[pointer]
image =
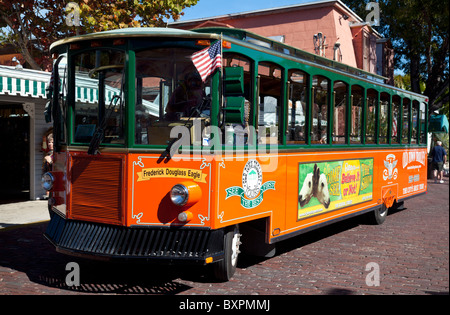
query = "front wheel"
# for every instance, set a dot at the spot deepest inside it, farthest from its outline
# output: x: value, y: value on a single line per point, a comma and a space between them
x: 225, y: 269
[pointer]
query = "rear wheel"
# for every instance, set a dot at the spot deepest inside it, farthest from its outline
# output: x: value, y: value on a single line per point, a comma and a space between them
x: 379, y: 215
x: 225, y: 269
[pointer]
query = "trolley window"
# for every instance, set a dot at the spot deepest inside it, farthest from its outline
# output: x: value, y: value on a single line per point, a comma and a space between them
x: 415, y: 122
x: 297, y: 107
x: 406, y: 120
x: 99, y: 96
x: 396, y: 119
x: 270, y: 100
x: 340, y: 97
x: 240, y: 134
x: 357, y: 105
x: 371, y: 121
x: 320, y: 109
x: 384, y: 117
x: 169, y: 93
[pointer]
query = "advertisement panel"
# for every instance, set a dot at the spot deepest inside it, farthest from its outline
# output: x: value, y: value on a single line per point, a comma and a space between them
x: 331, y: 185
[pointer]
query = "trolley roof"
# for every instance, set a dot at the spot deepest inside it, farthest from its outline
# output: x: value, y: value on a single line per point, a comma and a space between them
x: 135, y: 32
x: 242, y: 37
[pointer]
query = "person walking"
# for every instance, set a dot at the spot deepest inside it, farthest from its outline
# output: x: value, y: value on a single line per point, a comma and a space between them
x: 439, y: 158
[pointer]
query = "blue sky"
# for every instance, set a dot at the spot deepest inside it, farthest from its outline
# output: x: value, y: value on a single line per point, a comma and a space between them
x: 209, y: 8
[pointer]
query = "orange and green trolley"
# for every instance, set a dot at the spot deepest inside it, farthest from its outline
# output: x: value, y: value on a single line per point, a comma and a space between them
x: 154, y: 163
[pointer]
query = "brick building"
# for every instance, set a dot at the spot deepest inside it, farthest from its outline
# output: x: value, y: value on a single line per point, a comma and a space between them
x: 327, y: 28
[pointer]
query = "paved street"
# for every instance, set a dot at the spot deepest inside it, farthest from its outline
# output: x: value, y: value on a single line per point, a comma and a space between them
x: 408, y: 254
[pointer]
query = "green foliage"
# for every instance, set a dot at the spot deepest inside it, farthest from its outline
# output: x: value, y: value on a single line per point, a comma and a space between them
x: 420, y: 38
x: 107, y: 15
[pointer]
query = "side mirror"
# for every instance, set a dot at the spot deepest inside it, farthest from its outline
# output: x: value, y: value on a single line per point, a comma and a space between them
x: 233, y: 91
x: 48, y: 112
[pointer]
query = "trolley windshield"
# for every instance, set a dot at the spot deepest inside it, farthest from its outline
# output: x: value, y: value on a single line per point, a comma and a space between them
x: 169, y: 93
x: 99, y: 111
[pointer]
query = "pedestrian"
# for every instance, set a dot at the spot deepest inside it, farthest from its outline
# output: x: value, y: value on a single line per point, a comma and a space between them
x: 439, y: 158
x: 47, y: 162
x: 48, y: 158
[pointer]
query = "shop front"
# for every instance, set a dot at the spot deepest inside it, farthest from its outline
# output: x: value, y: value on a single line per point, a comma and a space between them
x: 22, y: 128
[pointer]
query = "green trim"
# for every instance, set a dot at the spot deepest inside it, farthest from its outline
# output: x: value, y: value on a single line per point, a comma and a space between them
x: 27, y: 86
x: 364, y: 117
x: 9, y: 84
x: 130, y: 98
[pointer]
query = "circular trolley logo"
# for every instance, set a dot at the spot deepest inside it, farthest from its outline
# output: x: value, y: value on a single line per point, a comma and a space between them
x: 252, y: 179
x: 252, y: 190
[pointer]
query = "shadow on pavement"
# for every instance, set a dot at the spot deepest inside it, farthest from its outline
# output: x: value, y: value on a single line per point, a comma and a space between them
x: 26, y: 250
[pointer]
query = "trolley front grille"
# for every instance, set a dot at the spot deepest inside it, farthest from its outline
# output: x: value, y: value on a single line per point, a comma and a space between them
x: 124, y: 242
x: 96, y: 189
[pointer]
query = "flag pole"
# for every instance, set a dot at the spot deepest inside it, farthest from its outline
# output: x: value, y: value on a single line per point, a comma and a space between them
x: 221, y: 51
x: 221, y: 89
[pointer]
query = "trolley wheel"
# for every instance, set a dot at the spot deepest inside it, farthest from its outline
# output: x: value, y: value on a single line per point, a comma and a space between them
x: 379, y: 215
x: 225, y: 269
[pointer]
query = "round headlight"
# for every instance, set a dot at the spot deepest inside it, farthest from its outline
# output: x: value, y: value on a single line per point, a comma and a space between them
x: 47, y: 181
x: 179, y: 195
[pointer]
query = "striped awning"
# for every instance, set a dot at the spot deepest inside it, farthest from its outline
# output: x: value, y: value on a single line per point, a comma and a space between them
x: 85, y: 93
x: 23, y: 82
x: 32, y: 83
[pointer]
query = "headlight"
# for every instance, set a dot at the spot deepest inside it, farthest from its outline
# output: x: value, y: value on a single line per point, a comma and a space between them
x: 179, y: 195
x: 47, y: 181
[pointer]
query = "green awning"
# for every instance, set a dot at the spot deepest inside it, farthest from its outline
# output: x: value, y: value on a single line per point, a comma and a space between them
x: 25, y: 83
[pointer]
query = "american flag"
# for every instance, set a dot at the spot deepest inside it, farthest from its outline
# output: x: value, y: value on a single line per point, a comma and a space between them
x: 394, y: 127
x: 207, y: 60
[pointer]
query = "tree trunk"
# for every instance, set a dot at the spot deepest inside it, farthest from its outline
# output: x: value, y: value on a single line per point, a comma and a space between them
x: 29, y: 58
x: 415, y: 72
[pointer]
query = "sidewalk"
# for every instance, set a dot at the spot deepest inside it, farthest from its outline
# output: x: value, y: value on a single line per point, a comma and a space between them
x: 26, y: 212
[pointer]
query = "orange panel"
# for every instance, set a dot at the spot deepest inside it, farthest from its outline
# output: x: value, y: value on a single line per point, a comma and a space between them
x: 250, y: 188
x: 151, y: 180
x: 134, y: 189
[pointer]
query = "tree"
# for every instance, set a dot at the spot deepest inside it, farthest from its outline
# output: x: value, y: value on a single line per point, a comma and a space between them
x: 32, y: 25
x: 419, y: 33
